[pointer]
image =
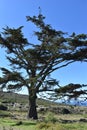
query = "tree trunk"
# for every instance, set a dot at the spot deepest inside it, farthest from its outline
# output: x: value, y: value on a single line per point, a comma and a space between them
x: 32, y: 112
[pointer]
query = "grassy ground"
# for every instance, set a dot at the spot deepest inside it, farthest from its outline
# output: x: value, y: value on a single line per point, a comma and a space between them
x: 7, y: 124
x: 59, y: 126
x: 16, y: 120
x: 50, y: 122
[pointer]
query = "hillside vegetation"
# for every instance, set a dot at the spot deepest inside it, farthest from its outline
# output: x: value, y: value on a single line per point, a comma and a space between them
x: 52, y: 116
x: 11, y: 97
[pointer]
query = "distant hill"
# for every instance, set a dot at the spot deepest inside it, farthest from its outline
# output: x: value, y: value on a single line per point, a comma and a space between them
x: 10, y: 97
x: 15, y: 100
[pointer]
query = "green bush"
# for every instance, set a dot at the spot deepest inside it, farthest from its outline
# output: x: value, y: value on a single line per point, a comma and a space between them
x: 43, y: 125
x: 49, y: 126
x: 50, y: 118
x: 3, y: 107
x: 19, y: 123
x: 65, y: 111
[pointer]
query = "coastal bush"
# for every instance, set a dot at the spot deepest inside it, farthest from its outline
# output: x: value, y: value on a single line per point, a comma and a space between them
x: 3, y: 107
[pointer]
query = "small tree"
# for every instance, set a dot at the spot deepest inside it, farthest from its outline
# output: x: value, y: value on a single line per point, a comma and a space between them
x: 32, y: 64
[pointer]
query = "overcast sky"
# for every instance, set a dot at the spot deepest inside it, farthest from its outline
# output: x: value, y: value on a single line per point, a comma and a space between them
x: 66, y: 15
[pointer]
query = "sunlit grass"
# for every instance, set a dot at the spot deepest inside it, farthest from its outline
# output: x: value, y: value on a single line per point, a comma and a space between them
x: 50, y: 122
x: 9, y: 124
x: 60, y: 126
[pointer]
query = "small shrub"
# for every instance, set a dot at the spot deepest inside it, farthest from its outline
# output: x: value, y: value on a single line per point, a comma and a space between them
x: 50, y: 118
x: 2, y: 107
x: 50, y: 126
x: 65, y: 111
x: 19, y: 123
x: 43, y: 125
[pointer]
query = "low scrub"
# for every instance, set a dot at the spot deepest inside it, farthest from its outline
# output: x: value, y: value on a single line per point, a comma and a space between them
x: 5, y: 113
x: 49, y: 126
x: 50, y: 117
x: 65, y: 111
x: 3, y: 107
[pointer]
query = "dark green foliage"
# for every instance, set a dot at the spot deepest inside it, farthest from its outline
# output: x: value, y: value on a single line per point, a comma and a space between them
x: 19, y: 123
x: 65, y: 111
x: 3, y: 107
x: 72, y: 90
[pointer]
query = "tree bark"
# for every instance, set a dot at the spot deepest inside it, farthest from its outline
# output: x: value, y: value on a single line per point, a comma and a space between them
x: 32, y: 112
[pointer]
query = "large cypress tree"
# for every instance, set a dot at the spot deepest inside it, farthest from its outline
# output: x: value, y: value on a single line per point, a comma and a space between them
x: 31, y: 64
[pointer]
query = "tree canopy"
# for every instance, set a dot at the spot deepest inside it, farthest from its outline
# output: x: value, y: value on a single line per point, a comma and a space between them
x: 31, y: 64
